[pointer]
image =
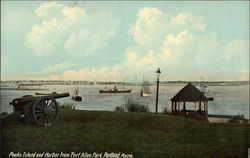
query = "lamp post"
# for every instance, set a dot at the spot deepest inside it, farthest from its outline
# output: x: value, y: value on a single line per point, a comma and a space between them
x: 157, y: 89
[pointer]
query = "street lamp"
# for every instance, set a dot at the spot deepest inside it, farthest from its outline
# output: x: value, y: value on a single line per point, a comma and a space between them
x: 157, y: 89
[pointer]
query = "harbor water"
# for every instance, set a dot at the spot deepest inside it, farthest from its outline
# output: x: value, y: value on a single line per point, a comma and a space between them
x: 228, y: 100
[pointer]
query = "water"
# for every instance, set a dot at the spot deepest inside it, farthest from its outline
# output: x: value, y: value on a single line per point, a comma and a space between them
x: 228, y: 100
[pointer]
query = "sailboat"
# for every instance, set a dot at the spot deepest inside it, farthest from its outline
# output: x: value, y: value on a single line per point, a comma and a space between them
x: 204, y: 89
x: 76, y: 96
x: 145, y: 90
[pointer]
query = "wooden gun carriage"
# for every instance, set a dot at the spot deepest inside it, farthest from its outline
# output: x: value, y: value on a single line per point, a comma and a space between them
x: 40, y: 109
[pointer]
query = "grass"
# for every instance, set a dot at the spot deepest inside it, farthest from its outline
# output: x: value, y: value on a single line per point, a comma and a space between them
x: 142, y: 134
x: 132, y: 106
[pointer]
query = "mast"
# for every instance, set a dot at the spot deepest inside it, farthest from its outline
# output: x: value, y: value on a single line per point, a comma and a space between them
x: 145, y: 86
x: 202, y: 86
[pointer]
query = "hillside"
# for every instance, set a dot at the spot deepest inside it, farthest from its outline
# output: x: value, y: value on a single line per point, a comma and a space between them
x: 140, y: 134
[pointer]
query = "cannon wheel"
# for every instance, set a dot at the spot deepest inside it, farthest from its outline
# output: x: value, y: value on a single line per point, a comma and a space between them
x: 45, y: 110
x: 26, y: 117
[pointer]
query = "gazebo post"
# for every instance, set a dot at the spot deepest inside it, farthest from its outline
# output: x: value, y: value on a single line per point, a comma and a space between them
x: 184, y: 105
x: 172, y: 106
x: 205, y: 108
x: 206, y: 111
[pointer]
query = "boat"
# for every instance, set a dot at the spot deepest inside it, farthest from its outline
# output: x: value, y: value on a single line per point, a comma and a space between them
x: 115, y: 90
x: 205, y: 91
x: 145, y: 90
x: 76, y: 95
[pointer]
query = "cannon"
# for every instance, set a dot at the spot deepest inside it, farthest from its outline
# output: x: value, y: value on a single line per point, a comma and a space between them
x: 41, y: 109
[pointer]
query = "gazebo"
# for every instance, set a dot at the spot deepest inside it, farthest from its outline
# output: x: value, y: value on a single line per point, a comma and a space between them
x: 190, y: 94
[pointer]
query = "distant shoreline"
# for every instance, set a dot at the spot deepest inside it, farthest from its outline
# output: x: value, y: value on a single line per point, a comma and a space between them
x: 22, y: 89
x: 50, y: 82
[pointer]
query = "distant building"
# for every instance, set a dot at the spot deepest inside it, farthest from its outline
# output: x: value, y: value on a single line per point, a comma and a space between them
x: 30, y: 86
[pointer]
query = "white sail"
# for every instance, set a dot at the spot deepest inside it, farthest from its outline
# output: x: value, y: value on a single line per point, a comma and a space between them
x: 204, y: 89
x: 145, y: 91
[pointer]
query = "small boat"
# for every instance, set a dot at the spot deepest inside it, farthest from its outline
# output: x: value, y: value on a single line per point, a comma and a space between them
x: 205, y: 91
x: 115, y: 90
x: 145, y: 90
x: 207, y: 94
x: 210, y: 98
x: 76, y: 95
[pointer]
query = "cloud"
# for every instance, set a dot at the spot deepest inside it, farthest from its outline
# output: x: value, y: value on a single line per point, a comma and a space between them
x: 94, y: 35
x: 103, y: 74
x: 175, y: 46
x: 236, y: 48
x: 244, y: 78
x: 170, y: 39
x: 48, y: 9
x: 56, y: 68
x: 70, y: 29
x: 147, y: 25
x: 152, y: 25
x: 244, y: 75
x: 135, y: 62
x: 188, y: 20
x: 45, y: 38
x: 74, y: 13
x: 180, y: 45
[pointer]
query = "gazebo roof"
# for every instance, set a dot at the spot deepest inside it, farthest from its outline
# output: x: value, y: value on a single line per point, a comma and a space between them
x: 189, y: 94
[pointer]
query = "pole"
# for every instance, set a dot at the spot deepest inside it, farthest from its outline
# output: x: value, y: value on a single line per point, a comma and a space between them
x: 157, y: 93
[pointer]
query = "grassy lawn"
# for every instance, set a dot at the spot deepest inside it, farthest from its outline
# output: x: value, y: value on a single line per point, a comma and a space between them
x: 140, y: 134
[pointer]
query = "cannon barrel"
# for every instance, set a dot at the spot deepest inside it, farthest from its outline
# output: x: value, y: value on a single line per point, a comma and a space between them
x: 33, y: 98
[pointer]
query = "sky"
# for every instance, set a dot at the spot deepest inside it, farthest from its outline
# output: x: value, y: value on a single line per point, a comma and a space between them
x: 124, y: 41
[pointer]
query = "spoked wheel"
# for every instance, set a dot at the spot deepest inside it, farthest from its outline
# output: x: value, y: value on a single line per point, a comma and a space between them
x: 45, y: 110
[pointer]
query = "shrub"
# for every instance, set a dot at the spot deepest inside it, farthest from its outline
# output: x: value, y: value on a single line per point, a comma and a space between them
x: 137, y: 107
x: 68, y: 106
x: 166, y: 111
x: 133, y: 106
x: 119, y: 108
